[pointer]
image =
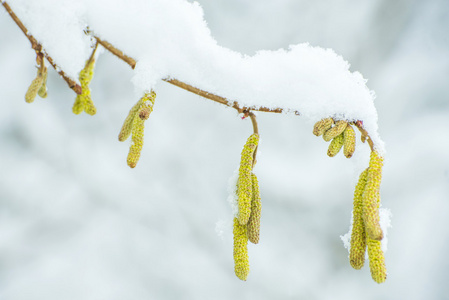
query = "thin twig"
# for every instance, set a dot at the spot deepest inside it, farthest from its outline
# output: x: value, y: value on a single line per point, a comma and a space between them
x: 38, y: 48
x: 132, y: 63
x: 253, y: 120
x: 129, y: 60
x: 359, y: 125
x: 256, y: 131
x: 92, y: 55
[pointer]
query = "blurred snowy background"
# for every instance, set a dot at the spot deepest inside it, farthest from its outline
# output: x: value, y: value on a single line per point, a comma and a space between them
x: 77, y: 223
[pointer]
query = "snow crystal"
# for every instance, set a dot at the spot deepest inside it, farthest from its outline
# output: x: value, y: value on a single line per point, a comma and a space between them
x: 170, y: 39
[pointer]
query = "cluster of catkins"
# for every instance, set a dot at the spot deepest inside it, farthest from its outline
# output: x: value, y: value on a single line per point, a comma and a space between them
x: 341, y: 133
x: 247, y: 220
x: 366, y: 230
x: 134, y: 122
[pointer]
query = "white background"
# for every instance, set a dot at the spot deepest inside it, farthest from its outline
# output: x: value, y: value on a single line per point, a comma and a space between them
x: 77, y: 223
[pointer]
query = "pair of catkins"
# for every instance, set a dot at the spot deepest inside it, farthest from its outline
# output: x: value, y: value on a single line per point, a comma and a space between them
x: 39, y: 84
x: 247, y: 220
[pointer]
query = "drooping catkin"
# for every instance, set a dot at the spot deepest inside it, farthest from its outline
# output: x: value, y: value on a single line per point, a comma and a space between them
x: 241, y: 260
x: 376, y: 261
x: 83, y: 102
x: 256, y: 208
x: 34, y: 87
x: 338, y: 128
x: 42, y: 92
x: 135, y: 125
x: 137, y: 142
x: 349, y: 141
x: 125, y: 132
x: 335, y: 145
x: 322, y: 126
x: 358, y: 235
x: 371, y: 197
x: 244, y: 183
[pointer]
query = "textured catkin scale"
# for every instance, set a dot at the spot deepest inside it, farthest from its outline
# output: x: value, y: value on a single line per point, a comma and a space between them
x: 244, y: 183
x: 349, y: 141
x: 322, y: 126
x: 42, y: 92
x: 358, y: 235
x: 335, y: 145
x: 331, y: 133
x: 137, y: 142
x: 376, y: 261
x: 256, y: 208
x: 125, y: 132
x: 78, y: 106
x: 371, y: 198
x: 83, y: 102
x: 34, y: 88
x: 241, y: 260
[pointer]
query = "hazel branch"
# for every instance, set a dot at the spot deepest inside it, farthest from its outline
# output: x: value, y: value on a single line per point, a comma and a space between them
x: 38, y: 48
x: 132, y: 63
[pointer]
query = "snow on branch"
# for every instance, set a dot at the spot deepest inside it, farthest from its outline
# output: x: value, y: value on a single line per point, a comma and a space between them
x: 168, y: 40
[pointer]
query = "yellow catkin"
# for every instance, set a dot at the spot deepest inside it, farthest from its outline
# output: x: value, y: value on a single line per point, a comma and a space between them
x: 241, y: 260
x: 83, y: 102
x: 376, y: 261
x: 371, y: 197
x: 134, y: 124
x: 34, y: 88
x: 147, y: 105
x: 244, y: 183
x: 358, y: 235
x: 331, y: 133
x: 256, y: 208
x: 137, y: 142
x: 349, y: 141
x: 335, y: 145
x: 42, y: 92
x: 125, y: 132
x: 322, y: 126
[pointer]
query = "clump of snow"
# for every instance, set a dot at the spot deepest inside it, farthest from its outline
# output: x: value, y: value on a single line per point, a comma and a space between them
x: 59, y: 27
x: 385, y: 223
x: 170, y: 39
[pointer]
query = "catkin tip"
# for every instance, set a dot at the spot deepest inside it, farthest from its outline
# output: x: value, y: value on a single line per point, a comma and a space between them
x: 241, y: 259
x: 335, y: 146
x: 321, y: 126
x: 376, y: 261
x: 253, y: 226
x: 33, y: 89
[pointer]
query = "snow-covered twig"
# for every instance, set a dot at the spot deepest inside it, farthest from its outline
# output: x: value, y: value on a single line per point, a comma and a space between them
x: 38, y: 48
